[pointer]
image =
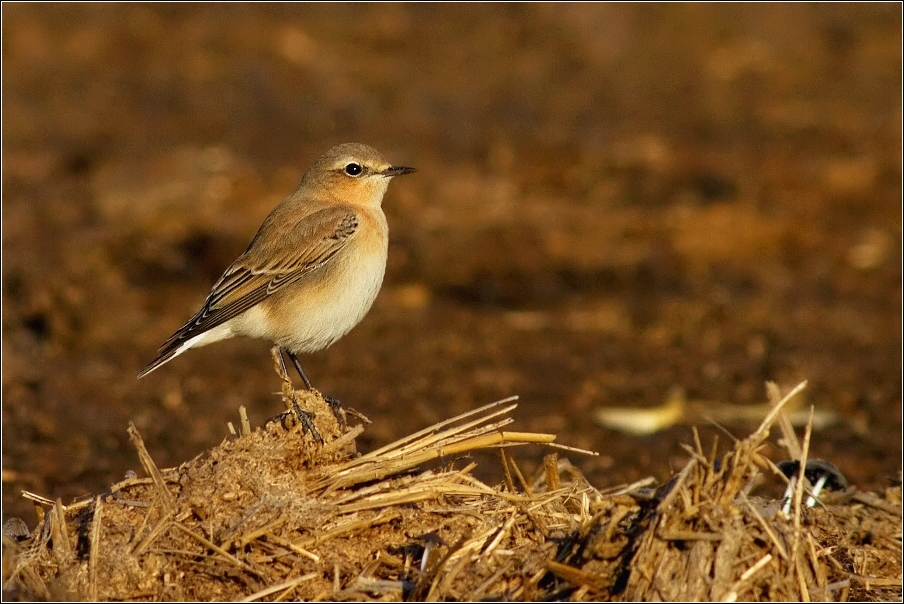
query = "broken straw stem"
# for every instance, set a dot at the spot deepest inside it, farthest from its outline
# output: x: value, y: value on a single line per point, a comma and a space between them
x: 817, y: 488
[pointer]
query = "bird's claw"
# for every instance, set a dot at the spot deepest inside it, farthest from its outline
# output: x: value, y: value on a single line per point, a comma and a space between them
x: 336, y: 407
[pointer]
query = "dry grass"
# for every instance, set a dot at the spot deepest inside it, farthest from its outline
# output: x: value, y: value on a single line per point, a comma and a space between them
x: 268, y: 515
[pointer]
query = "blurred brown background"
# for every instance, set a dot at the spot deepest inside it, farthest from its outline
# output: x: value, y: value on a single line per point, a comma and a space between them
x: 611, y: 201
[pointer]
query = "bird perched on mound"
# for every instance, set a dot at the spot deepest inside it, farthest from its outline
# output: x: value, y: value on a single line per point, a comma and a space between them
x: 313, y: 269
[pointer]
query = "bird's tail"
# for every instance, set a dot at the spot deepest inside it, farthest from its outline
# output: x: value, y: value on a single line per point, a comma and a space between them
x: 167, y: 352
x: 160, y: 360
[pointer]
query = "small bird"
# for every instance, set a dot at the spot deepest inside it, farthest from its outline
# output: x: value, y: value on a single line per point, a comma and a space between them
x: 313, y: 269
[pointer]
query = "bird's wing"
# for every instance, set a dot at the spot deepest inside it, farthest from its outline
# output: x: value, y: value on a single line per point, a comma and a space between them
x: 261, y: 272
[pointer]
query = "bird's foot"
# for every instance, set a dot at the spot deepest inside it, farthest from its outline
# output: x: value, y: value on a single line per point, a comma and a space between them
x: 338, y: 412
x: 307, y: 423
x: 305, y: 418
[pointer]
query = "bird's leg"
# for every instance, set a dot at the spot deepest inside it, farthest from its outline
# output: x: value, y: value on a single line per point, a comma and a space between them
x: 281, y: 370
x: 305, y: 418
x: 334, y: 403
x: 304, y: 376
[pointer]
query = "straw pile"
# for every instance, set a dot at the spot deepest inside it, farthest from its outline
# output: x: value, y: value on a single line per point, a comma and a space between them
x: 269, y: 515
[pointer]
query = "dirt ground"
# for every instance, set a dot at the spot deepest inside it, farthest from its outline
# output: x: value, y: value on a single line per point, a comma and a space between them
x: 610, y: 201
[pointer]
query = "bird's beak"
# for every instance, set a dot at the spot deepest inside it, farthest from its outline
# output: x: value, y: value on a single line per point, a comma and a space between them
x: 396, y: 171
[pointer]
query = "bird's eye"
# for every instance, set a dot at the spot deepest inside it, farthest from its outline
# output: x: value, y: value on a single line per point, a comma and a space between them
x: 353, y: 169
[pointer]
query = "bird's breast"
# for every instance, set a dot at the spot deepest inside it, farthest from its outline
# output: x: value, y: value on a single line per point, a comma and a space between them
x: 314, y: 312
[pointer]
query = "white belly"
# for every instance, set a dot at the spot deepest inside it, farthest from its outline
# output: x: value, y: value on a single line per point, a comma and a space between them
x: 311, y: 315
